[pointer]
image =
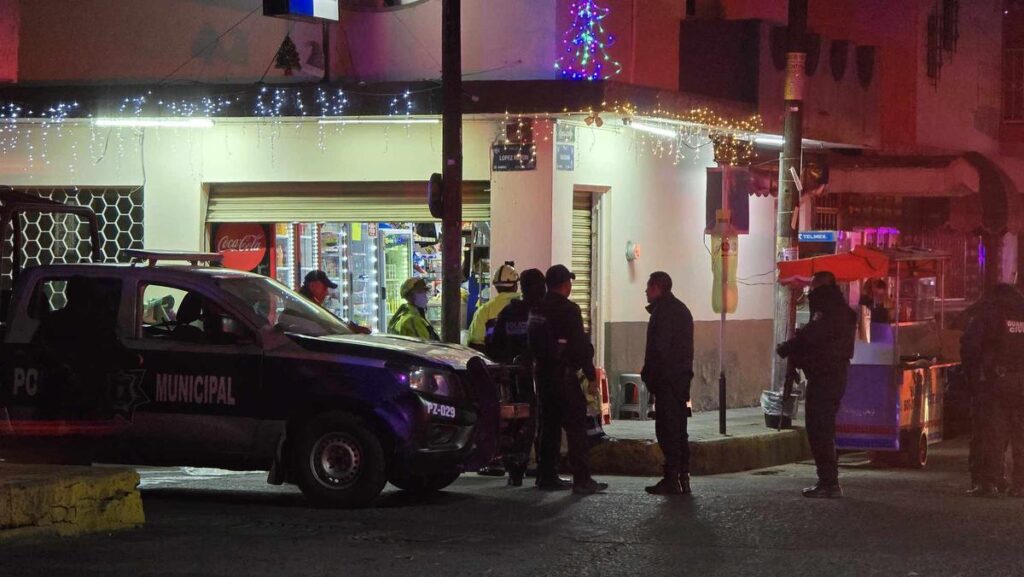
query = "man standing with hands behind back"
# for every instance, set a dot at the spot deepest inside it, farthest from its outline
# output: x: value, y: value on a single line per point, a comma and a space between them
x: 667, y: 372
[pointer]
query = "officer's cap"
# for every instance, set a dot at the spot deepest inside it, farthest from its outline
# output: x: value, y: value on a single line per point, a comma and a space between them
x: 557, y: 275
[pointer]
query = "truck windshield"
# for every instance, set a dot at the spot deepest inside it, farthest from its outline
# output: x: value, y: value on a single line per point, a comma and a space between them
x: 276, y: 306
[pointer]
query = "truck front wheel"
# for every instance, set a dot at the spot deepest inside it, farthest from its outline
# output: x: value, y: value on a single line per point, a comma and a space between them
x: 339, y: 461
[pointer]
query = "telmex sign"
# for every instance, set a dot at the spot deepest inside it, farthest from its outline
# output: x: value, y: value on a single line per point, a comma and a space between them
x: 302, y: 9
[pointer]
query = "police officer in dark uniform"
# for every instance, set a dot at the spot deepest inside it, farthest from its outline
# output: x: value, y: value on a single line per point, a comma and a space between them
x: 823, y: 349
x: 992, y: 350
x: 560, y: 348
x: 509, y: 339
x: 508, y: 342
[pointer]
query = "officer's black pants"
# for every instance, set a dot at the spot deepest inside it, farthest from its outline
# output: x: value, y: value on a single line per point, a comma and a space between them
x: 1003, y: 424
x: 822, y: 407
x: 979, y: 439
x: 670, y: 426
x: 562, y: 406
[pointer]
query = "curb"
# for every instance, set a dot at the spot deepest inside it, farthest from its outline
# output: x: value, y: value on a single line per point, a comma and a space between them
x: 643, y: 458
x: 46, y: 500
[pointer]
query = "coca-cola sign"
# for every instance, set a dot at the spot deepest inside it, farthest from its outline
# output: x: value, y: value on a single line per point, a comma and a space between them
x: 243, y: 245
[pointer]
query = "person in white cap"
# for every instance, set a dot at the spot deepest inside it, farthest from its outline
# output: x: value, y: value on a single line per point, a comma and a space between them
x: 506, y: 283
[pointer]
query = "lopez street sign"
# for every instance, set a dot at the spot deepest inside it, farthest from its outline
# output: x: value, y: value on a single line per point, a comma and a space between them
x: 506, y: 157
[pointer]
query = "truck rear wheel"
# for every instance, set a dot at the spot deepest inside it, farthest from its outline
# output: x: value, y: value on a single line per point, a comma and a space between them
x: 424, y: 484
x: 339, y: 461
x: 916, y: 449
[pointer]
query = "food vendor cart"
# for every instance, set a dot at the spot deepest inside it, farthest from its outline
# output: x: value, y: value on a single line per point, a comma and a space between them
x: 894, y: 395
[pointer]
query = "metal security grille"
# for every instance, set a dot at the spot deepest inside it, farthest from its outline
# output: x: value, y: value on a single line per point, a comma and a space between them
x: 337, y: 202
x: 65, y: 238
x: 582, y: 253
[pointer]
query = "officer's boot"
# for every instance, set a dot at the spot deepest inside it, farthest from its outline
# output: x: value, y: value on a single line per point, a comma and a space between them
x: 824, y: 491
x: 668, y: 485
x: 983, y: 490
x: 684, y: 483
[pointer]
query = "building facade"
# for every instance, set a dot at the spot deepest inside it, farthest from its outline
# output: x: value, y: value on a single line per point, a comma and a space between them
x: 323, y: 157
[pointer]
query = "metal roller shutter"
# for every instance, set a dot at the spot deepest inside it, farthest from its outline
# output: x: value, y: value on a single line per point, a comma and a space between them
x: 404, y: 201
x: 582, y: 252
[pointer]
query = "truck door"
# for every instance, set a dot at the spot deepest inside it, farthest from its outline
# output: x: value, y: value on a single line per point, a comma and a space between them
x: 61, y: 353
x: 202, y: 377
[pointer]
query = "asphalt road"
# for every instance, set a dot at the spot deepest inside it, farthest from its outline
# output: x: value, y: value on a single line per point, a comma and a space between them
x: 893, y: 522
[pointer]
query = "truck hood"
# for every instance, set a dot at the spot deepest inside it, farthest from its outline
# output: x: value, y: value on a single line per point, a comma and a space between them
x: 453, y: 356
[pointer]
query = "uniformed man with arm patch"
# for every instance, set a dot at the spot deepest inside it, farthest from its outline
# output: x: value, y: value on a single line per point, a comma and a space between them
x: 561, y: 348
x: 509, y: 343
x: 992, y: 350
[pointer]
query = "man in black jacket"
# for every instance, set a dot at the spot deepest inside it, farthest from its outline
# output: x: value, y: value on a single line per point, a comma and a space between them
x: 509, y: 339
x: 992, y: 349
x: 667, y: 372
x: 509, y: 343
x: 560, y: 349
x: 823, y: 349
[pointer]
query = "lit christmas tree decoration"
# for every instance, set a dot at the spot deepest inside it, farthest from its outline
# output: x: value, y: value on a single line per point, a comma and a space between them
x: 585, y: 45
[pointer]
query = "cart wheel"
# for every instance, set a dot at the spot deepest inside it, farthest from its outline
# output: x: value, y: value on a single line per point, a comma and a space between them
x: 916, y: 449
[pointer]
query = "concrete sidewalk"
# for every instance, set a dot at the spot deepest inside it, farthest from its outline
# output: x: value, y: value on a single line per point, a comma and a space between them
x: 64, y: 500
x: 748, y: 444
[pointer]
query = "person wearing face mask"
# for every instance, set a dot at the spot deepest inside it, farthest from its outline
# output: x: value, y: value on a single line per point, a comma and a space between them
x: 410, y: 319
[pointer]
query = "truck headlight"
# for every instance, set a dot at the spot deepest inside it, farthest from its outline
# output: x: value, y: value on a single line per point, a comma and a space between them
x: 433, y: 382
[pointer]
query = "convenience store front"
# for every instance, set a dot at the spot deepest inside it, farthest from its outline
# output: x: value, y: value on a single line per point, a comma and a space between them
x: 369, y: 237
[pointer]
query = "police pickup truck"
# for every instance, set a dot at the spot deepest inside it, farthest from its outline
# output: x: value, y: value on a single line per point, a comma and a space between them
x: 154, y: 363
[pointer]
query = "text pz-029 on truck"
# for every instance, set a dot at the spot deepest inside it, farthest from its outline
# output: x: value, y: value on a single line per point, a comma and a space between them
x: 204, y: 366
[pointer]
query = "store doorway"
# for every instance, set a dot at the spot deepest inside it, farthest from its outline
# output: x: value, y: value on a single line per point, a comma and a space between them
x: 587, y: 261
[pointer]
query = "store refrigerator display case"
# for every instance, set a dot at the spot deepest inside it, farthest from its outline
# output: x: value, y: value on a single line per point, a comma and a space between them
x: 364, y: 292
x: 396, y: 268
x: 334, y: 263
x: 284, y: 254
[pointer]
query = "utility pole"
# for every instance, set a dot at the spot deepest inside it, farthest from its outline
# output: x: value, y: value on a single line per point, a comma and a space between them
x: 451, y: 152
x: 785, y: 232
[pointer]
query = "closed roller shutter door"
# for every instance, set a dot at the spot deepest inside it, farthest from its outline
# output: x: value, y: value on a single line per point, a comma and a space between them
x: 337, y: 202
x: 582, y: 251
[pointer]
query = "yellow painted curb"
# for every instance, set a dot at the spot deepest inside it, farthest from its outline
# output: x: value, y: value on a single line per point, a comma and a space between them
x: 643, y: 458
x: 65, y: 501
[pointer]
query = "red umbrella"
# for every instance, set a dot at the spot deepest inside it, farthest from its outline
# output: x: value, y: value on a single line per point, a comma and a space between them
x: 861, y: 263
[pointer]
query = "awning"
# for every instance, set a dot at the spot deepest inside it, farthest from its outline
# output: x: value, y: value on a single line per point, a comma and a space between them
x: 861, y: 263
x: 985, y: 190
x: 935, y: 176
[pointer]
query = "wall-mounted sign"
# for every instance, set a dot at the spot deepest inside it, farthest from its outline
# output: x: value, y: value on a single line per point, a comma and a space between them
x: 817, y: 236
x: 302, y: 9
x: 506, y: 157
x: 243, y: 244
x: 565, y: 155
x: 565, y: 133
